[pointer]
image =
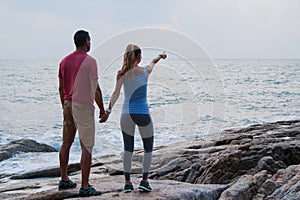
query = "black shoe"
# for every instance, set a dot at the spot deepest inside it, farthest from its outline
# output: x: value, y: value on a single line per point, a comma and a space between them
x: 144, y: 186
x: 64, y: 185
x: 89, y: 192
x: 128, y: 187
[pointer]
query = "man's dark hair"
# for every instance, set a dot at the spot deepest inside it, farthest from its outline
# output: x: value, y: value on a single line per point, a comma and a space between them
x: 80, y: 38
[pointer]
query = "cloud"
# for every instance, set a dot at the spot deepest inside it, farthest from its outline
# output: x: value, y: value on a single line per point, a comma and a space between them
x: 249, y: 28
x: 230, y: 28
x: 38, y: 29
x: 32, y: 33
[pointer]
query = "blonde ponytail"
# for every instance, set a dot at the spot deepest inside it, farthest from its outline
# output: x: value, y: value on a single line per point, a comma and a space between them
x: 130, y: 56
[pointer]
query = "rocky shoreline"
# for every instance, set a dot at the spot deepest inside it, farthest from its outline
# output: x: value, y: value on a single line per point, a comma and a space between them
x: 257, y: 162
x: 9, y: 150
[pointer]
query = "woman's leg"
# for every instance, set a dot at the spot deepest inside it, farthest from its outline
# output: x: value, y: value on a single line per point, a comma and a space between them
x: 128, y: 128
x: 147, y: 159
x: 145, y: 126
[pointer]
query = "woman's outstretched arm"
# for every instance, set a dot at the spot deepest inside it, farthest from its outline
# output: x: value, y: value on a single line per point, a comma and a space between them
x: 151, y: 65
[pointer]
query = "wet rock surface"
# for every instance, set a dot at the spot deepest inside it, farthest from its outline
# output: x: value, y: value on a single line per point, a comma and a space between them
x: 24, y: 145
x: 256, y: 162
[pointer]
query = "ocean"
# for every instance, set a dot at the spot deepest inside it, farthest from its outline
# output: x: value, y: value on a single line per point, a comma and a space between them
x: 187, y: 100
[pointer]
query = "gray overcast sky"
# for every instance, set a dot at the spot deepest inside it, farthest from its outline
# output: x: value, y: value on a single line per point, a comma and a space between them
x: 36, y: 29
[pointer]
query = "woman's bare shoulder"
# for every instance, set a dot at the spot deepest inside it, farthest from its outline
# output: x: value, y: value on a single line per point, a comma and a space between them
x: 120, y: 73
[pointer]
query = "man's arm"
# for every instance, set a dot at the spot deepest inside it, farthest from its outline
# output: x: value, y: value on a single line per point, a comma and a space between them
x: 61, y: 91
x: 98, y: 96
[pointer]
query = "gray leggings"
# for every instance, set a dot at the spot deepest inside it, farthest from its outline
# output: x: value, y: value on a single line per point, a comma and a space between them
x: 145, y: 125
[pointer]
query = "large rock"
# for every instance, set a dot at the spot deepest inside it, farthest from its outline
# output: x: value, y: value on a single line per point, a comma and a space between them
x: 48, y: 172
x: 112, y: 188
x: 245, y: 187
x: 285, y: 184
x: 24, y: 145
x: 224, y: 157
x: 257, y: 162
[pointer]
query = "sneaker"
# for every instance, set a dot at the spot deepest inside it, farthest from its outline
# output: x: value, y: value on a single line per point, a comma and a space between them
x: 128, y: 188
x: 89, y: 192
x: 144, y: 186
x: 64, y: 185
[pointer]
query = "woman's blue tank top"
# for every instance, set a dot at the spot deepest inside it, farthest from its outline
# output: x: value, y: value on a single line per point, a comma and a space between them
x: 135, y: 92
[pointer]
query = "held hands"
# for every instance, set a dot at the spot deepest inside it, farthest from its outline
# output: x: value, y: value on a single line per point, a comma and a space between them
x: 103, y: 117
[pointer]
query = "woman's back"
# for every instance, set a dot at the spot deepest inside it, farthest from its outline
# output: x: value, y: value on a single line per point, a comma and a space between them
x: 135, y: 92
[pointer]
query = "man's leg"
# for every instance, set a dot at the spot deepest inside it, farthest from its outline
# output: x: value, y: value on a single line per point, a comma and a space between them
x: 69, y: 131
x: 85, y: 123
x: 85, y: 164
x: 86, y: 128
x: 64, y: 159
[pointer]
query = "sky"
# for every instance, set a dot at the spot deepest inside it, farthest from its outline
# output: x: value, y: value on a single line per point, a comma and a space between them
x: 243, y: 29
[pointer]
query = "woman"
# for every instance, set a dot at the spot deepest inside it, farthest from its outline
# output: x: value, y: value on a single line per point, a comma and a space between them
x: 135, y: 111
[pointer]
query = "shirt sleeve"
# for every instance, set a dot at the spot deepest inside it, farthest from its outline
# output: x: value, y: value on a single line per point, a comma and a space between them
x: 93, y: 75
x: 60, y: 72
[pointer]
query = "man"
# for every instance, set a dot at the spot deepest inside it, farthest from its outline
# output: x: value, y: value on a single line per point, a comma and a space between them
x: 78, y: 89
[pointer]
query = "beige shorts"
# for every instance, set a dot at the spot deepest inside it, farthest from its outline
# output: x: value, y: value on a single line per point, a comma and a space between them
x: 78, y: 118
